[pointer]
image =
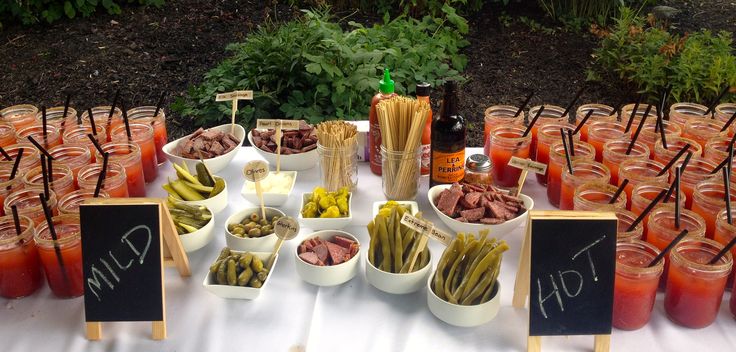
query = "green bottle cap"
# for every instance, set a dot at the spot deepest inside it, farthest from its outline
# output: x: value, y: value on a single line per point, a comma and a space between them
x: 386, y: 85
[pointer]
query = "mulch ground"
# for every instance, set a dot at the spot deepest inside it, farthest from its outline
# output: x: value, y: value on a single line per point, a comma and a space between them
x: 145, y: 51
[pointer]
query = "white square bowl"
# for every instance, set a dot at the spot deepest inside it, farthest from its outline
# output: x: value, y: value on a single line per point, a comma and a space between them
x: 269, y: 199
x: 318, y: 224
x: 239, y: 292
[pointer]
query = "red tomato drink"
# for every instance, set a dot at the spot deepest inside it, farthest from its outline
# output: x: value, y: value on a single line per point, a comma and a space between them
x: 708, y: 201
x: 725, y: 232
x: 596, y: 196
x: 65, y: 281
x: 600, y: 132
x: 635, y: 287
x: 20, y: 270
x: 497, y: 115
x: 142, y: 135
x: 115, y: 183
x: 129, y: 155
x: 583, y: 151
x: 52, y: 137
x: 62, y: 180
x: 645, y: 192
x: 75, y: 156
x: 638, y: 171
x: 614, y: 153
x: 548, y: 134
x: 505, y: 142
x: 697, y: 170
x: 681, y: 113
x: 551, y: 113
x: 102, y: 118
x: 8, y: 186
x: 19, y: 115
x: 600, y: 113
x: 584, y: 171
x: 7, y: 134
x: 625, y: 220
x: 144, y: 114
x: 69, y: 204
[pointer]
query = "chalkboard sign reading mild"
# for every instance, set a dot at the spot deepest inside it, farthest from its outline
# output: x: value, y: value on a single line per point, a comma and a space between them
x: 123, y: 252
x: 567, y: 270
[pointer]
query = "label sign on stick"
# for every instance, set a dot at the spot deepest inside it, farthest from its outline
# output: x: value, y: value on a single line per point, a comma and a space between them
x: 255, y: 170
x: 425, y: 228
x: 572, y: 268
x: 274, y: 124
x: 286, y: 228
x: 527, y: 164
x: 238, y: 94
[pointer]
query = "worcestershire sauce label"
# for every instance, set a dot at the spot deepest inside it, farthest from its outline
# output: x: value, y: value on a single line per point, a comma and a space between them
x: 448, y: 167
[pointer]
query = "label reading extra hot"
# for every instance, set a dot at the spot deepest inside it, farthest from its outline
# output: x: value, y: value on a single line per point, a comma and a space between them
x: 448, y: 167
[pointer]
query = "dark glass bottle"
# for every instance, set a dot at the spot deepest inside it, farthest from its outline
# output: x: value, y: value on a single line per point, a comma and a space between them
x: 448, y: 140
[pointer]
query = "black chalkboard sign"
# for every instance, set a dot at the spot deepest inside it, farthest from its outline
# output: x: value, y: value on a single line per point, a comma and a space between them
x: 122, y: 260
x: 572, y: 274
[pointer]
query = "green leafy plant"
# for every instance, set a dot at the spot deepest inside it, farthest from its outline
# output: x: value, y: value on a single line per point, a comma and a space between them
x: 697, y: 67
x: 311, y: 69
x: 416, y: 8
x: 35, y: 11
x: 577, y: 14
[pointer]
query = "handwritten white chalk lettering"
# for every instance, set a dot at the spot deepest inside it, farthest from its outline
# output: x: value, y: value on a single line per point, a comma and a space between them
x: 572, y: 281
x: 137, y: 240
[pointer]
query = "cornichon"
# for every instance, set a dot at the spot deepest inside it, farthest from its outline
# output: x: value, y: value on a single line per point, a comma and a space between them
x: 238, y: 269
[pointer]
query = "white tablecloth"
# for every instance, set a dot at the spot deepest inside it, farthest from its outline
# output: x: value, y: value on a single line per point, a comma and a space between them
x: 291, y: 315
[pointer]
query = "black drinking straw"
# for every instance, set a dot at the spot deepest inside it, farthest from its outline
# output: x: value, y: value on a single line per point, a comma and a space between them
x: 66, y: 110
x: 52, y: 230
x: 571, y: 119
x: 726, y: 159
x: 534, y: 120
x: 683, y: 166
x: 92, y: 121
x: 44, y: 122
x: 45, y: 177
x: 94, y: 142
x: 571, y: 143
x: 16, y: 220
x: 5, y: 154
x: 14, y: 171
x: 621, y: 102
x: 677, y: 198
x: 112, y: 108
x: 729, y: 122
x: 723, y: 252
x: 39, y: 147
x: 583, y: 121
x: 633, y: 113
x: 163, y: 96
x: 50, y: 168
x: 567, y: 152
x: 674, y: 160
x: 638, y: 129
x: 727, y: 195
x: 618, y: 192
x: 125, y: 120
x: 646, y: 210
x: 101, y: 177
x: 715, y: 101
x: 667, y: 249
x: 662, y: 134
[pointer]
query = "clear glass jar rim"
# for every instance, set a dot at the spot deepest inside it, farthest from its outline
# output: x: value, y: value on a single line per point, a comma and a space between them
x: 23, y: 108
x: 44, y: 240
x: 711, y: 246
x: 641, y: 247
x: 26, y: 229
x: 502, y: 111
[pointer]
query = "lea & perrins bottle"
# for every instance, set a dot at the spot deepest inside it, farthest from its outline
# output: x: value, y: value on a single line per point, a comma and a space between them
x: 447, y: 162
x: 385, y: 91
x: 423, y: 95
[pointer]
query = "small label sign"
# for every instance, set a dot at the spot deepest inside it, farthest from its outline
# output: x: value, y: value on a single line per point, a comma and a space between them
x: 255, y: 170
x: 236, y: 95
x: 533, y: 166
x: 274, y: 124
x: 425, y: 228
x: 286, y: 228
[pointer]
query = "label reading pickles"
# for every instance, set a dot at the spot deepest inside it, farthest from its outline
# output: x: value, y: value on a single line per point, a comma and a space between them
x: 448, y: 167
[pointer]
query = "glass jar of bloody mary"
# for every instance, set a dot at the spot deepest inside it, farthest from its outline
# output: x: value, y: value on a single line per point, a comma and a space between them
x: 661, y: 225
x: 600, y: 113
x: 698, y: 169
x: 8, y: 185
x: 614, y: 153
x: 635, y: 286
x: 127, y: 154
x: 144, y: 114
x: 681, y: 113
x: 674, y: 145
x: 628, y: 109
x: 505, y: 142
x: 19, y: 115
x: 701, y: 130
x: 716, y: 150
x: 600, y: 132
x: 596, y: 196
x: 724, y: 233
x: 645, y: 192
x: 583, y: 171
x: 708, y: 201
x: 69, y: 204
x: 723, y: 113
x: 103, y: 118
x: 625, y: 220
x: 62, y: 258
x: 55, y: 116
x: 142, y: 134
x: 115, y: 183
x: 7, y: 134
x: 557, y: 160
x: 75, y: 156
x: 28, y: 203
x: 31, y: 157
x: 61, y: 182
x: 551, y: 113
x: 650, y: 134
x: 20, y: 269
x: 79, y: 135
x: 694, y: 287
x: 497, y: 115
x: 52, y: 137
x: 547, y: 134
x: 638, y: 171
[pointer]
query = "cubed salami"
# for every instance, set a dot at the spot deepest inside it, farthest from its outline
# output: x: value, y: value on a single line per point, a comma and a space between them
x: 343, y: 241
x: 473, y: 214
x: 322, y: 252
x: 311, y: 258
x: 337, y: 253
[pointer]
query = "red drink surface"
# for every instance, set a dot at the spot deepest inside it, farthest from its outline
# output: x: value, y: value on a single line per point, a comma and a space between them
x: 72, y: 285
x: 20, y: 271
x: 635, y: 288
x: 142, y: 135
x: 160, y: 138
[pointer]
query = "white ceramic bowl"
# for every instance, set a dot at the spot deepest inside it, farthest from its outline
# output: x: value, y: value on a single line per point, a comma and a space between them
x: 215, y: 164
x: 257, y: 244
x: 413, y: 206
x: 318, y: 224
x: 328, y: 275
x: 293, y: 162
x: 200, y: 238
x: 495, y: 230
x: 215, y: 204
x: 269, y: 199
x: 239, y: 292
x: 398, y: 284
x: 464, y: 316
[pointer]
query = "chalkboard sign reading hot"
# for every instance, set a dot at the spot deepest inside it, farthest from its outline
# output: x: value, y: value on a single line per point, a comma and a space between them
x: 121, y: 250
x: 572, y: 275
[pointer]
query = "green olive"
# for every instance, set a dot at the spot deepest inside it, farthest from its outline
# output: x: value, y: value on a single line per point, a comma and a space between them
x: 254, y: 217
x: 254, y: 233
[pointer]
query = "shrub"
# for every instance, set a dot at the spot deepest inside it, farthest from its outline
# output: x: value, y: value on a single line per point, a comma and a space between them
x: 416, y: 8
x: 34, y: 11
x: 311, y: 69
x: 579, y: 13
x: 696, y: 66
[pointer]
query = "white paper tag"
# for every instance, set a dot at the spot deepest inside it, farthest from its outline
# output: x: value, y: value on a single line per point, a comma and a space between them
x: 255, y: 170
x: 426, y: 228
x: 262, y: 124
x: 236, y: 95
x: 528, y: 164
x: 286, y: 228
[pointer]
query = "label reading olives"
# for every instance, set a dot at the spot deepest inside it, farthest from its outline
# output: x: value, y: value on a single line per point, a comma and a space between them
x: 255, y: 170
x: 286, y: 228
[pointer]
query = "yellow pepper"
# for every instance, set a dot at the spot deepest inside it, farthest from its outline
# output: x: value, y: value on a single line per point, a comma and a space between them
x: 310, y: 210
x: 342, y: 204
x: 327, y: 201
x: 331, y: 212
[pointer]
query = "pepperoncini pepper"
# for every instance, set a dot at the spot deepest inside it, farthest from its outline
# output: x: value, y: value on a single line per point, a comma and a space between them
x: 331, y: 212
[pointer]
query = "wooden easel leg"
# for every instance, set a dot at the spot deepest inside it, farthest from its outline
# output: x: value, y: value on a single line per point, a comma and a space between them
x: 94, y: 331
x: 533, y: 344
x: 158, y: 330
x: 602, y: 343
x: 521, y: 285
